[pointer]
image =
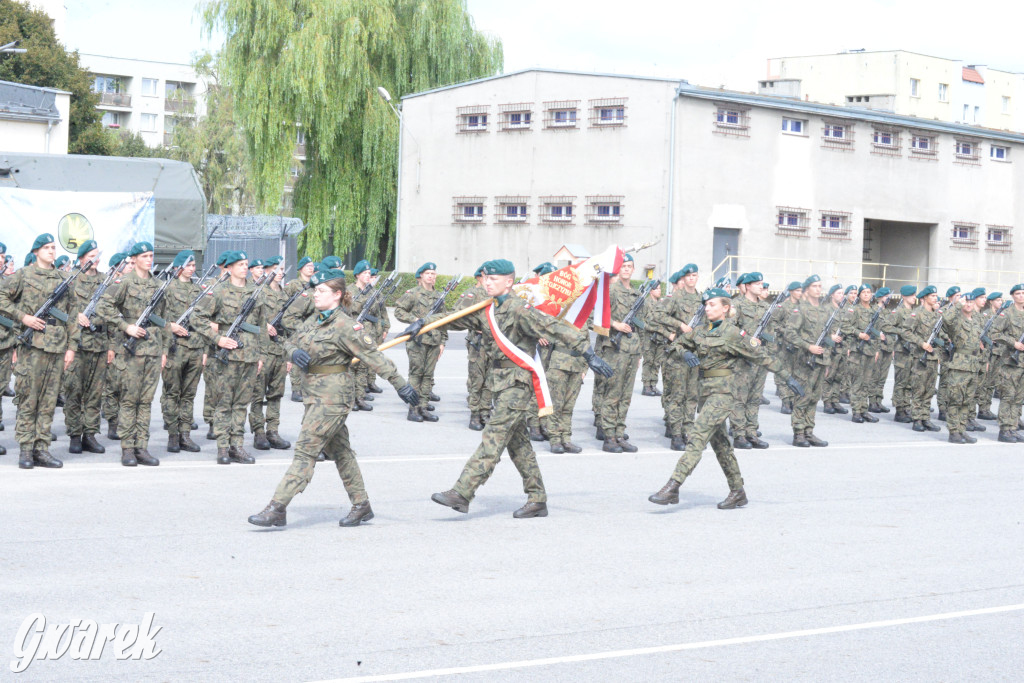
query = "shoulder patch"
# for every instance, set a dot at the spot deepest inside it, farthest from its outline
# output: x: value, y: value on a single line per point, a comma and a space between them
x: 368, y: 340
x: 305, y: 294
x: 357, y: 326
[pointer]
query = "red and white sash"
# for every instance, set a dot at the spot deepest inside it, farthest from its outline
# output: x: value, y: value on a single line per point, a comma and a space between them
x: 523, y: 360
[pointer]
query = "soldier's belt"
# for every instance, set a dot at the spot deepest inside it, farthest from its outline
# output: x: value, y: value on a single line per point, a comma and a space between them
x: 721, y: 372
x: 326, y: 369
x: 503, y: 363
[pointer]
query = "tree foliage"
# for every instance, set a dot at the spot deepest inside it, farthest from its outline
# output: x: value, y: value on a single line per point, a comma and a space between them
x: 319, y: 63
x: 47, y: 64
x: 215, y: 145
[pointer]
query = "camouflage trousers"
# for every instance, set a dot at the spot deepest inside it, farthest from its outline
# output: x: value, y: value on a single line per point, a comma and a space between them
x: 269, y: 390
x: 833, y: 381
x: 715, y: 408
x: 942, y: 394
x: 295, y: 377
x: 323, y: 430
x: 36, y: 385
x: 235, y: 381
x: 987, y: 383
x: 880, y: 373
x: 139, y: 377
x: 785, y: 393
x: 654, y: 359
x: 747, y: 387
x: 112, y: 392
x: 476, y: 381
x: 804, y: 407
x: 505, y: 430
x: 617, y: 391
x: 181, y: 380
x: 680, y: 396
x: 901, y: 394
x: 565, y: 388
x: 861, y: 369
x: 422, y: 361
x: 922, y: 387
x: 210, y: 387
x: 960, y: 401
x: 6, y: 355
x: 83, y: 396
x: 1011, y: 394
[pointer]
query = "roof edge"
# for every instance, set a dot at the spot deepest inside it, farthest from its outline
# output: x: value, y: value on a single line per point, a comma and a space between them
x: 537, y: 70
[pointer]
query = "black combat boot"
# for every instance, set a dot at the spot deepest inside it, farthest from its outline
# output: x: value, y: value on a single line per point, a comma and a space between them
x: 76, y: 444
x: 194, y: 426
x: 956, y: 437
x: 368, y: 397
x: 451, y: 499
x: 757, y: 442
x: 787, y: 407
x: 26, y: 462
x: 173, y: 443
x: 800, y: 440
x: 599, y: 434
x: 223, y: 456
x: 840, y: 410
x: 240, y: 455
x: 187, y: 444
x: 210, y: 436
x: 359, y: 513
x: 969, y: 439
x: 857, y: 417
x: 667, y: 494
x: 844, y: 397
x: 741, y: 442
x: 626, y: 446
x: 374, y: 389
x: 557, y: 447
x: 276, y: 442
x: 868, y: 417
x: 927, y: 424
x: 735, y: 499
x: 973, y: 426
x: 882, y: 408
x: 1007, y: 436
x: 259, y: 441
x: 918, y: 426
x: 414, y: 415
x: 813, y: 440
x: 570, y: 447
x: 535, y: 434
x: 363, y: 405
x: 531, y: 510
x: 297, y: 396
x: 434, y: 397
x: 829, y: 410
x: 648, y: 390
x: 42, y: 458
x: 764, y: 400
x: 611, y: 446
x: 112, y: 430
x: 941, y: 417
x: 91, y: 445
x: 429, y: 408
x: 873, y: 407
x: 987, y: 415
x: 144, y: 458
x: 3, y: 451
x: 428, y: 417
x: 273, y: 515
x: 475, y: 423
x: 678, y: 443
x: 128, y: 457
x: 903, y: 415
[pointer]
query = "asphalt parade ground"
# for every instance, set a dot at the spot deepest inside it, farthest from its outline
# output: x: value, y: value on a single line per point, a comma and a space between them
x: 889, y: 555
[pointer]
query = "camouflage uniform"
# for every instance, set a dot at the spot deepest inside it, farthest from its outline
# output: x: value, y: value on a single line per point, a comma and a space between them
x: 298, y: 313
x: 617, y: 390
x: 680, y: 380
x: 750, y: 376
x: 119, y: 307
x: 961, y: 369
x: 1007, y: 329
x: 903, y: 358
x: 653, y: 351
x: 37, y: 374
x: 235, y: 377
x: 8, y: 336
x: 476, y: 378
x: 989, y: 373
x: 184, y: 361
x: 112, y: 385
x: 376, y: 323
x: 861, y: 356
x: 85, y: 377
x: 269, y: 387
x: 783, y: 350
x: 923, y: 376
x: 837, y: 367
x: 512, y: 390
x: 332, y: 340
x: 411, y: 306
x: 880, y: 370
x: 564, y: 370
x: 802, y: 328
x: 721, y: 348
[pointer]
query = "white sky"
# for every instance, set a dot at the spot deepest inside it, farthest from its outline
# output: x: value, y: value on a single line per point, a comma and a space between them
x: 707, y: 43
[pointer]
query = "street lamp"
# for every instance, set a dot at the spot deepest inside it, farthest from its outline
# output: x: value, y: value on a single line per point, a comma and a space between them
x: 386, y: 96
x: 9, y: 48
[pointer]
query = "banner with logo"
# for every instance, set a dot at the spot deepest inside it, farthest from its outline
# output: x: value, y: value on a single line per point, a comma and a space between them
x: 116, y: 220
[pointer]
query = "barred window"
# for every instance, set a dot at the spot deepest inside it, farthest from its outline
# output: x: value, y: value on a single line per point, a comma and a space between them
x: 835, y: 225
x: 967, y: 152
x: 792, y: 222
x: 997, y: 238
x: 518, y: 116
x: 608, y: 112
x: 468, y: 209
x: 924, y: 147
x: 964, y: 235
x: 472, y: 119
x: 885, y: 142
x: 561, y: 114
x: 837, y: 135
x: 731, y: 120
x: 603, y: 209
x: 511, y: 209
x: 557, y: 209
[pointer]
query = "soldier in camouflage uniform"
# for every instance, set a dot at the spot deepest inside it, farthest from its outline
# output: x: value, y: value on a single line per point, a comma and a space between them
x: 271, y: 378
x: 963, y: 328
x: 1006, y: 333
x: 361, y: 291
x: 786, y: 351
x: 521, y: 326
x: 85, y: 376
x: 750, y: 376
x: 476, y: 378
x: 112, y: 384
x: 37, y: 373
x: 903, y: 355
x: 210, y: 369
x: 236, y: 375
x: 952, y: 297
x: 803, y: 327
x: 383, y: 326
x: 717, y: 347
x: 846, y: 378
x: 830, y: 391
x: 426, y: 350
x: 184, y: 358
x: 139, y: 372
x: 991, y: 303
x: 918, y: 328
x: 863, y: 351
x: 624, y: 359
x: 653, y: 351
x: 300, y: 311
x: 886, y: 347
x: 535, y: 422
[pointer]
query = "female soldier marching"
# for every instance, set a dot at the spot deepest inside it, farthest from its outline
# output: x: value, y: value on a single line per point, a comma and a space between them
x: 325, y: 348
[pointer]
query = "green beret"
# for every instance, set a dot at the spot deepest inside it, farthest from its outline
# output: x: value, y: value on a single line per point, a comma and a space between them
x: 61, y: 260
x: 1016, y: 288
x: 304, y: 261
x: 256, y: 263
x: 688, y: 268
x: 883, y: 292
x: 764, y: 284
x: 233, y: 257
x: 42, y: 241
x: 863, y: 287
x: 3, y: 248
x: 952, y: 290
x: 361, y: 266
x: 272, y: 261
x: 674, y: 277
x: 498, y: 266
x: 970, y: 296
x: 326, y: 275
x: 833, y: 289
x: 222, y: 257
x: 715, y: 293
x: 722, y: 282
x: 811, y: 280
x: 754, y: 276
x: 930, y: 289
x: 849, y: 289
x: 374, y: 272
x: 627, y: 258
x: 478, y: 272
x: 978, y: 292
x: 117, y: 259
x: 30, y: 258
x: 908, y: 290
x: 742, y: 279
x: 86, y: 247
x: 182, y: 258
x: 433, y: 266
x: 992, y: 296
x: 332, y: 262
x: 140, y: 248
x: 794, y: 286
x: 544, y: 269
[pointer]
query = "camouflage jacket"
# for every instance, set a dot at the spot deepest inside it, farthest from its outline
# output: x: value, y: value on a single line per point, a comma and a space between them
x: 621, y: 299
x: 473, y: 295
x: 123, y: 303
x: 221, y: 307
x: 804, y: 325
x: 79, y: 296
x: 672, y: 312
x: 302, y: 308
x: 858, y: 317
x: 23, y: 293
x: 917, y: 328
x: 1006, y: 331
x: 413, y: 305
x: 332, y: 340
x: 721, y: 347
x: 178, y: 297
x: 965, y: 335
x: 748, y: 313
x: 271, y: 300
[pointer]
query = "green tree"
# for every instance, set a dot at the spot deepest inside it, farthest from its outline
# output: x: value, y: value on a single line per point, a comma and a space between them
x: 320, y: 63
x: 47, y: 64
x: 215, y: 145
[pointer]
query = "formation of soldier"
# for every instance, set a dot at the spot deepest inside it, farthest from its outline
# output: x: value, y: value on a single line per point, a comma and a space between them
x: 105, y: 343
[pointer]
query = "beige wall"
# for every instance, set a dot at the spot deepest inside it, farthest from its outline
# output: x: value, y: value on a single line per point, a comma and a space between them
x: 36, y: 137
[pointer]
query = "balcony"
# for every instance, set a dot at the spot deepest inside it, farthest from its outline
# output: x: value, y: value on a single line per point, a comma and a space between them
x: 300, y: 150
x: 184, y: 105
x: 168, y: 138
x: 115, y: 99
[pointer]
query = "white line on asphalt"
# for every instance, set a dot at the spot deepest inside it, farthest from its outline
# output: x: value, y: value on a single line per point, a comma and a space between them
x: 636, y: 652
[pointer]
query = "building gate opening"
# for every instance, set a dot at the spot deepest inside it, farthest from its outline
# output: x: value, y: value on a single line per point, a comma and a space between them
x: 896, y: 253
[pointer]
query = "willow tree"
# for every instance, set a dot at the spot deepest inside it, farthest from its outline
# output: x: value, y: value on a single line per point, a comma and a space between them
x: 318, y: 64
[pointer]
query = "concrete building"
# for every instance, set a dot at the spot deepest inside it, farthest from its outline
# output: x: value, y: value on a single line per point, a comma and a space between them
x: 521, y: 164
x: 33, y: 120
x: 903, y: 83
x: 145, y: 96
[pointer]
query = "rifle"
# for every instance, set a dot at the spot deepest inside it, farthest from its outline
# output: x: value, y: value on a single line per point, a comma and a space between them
x: 767, y: 317
x: 48, y: 306
x: 148, y: 316
x: 90, y: 309
x: 870, y: 329
x: 275, y: 322
x: 935, y: 333
x: 183, y: 319
x: 985, y: 339
x: 371, y: 303
x: 824, y: 333
x: 239, y: 325
x: 448, y: 289
x: 645, y: 291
